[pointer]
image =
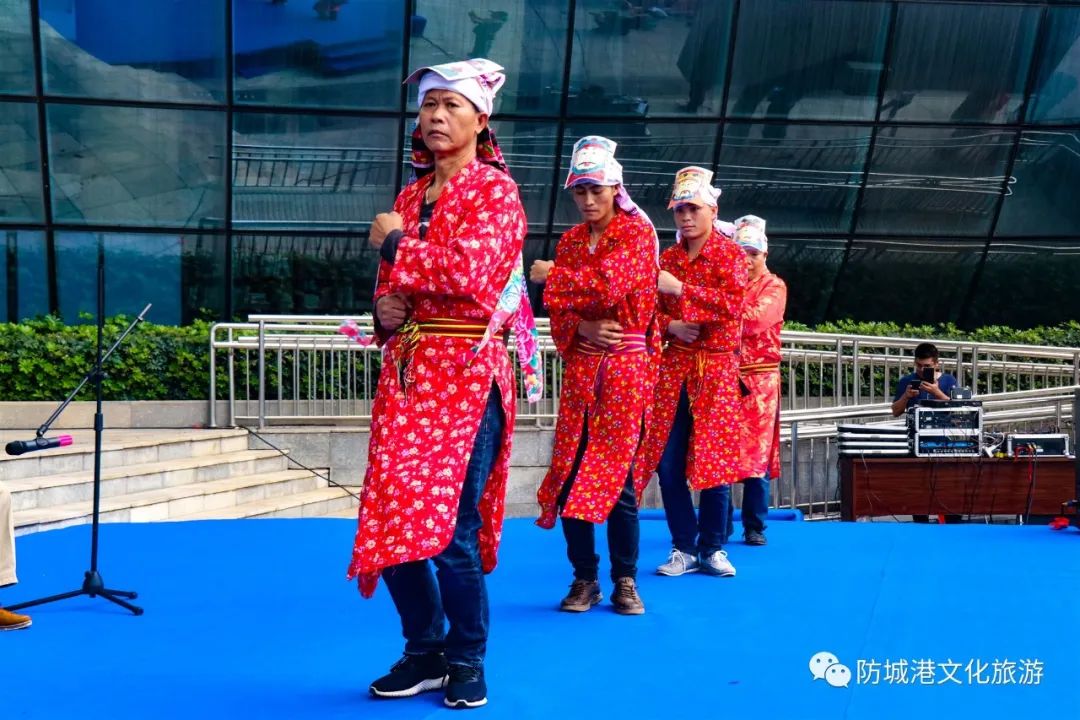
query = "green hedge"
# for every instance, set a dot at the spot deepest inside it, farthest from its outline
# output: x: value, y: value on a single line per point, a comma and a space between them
x: 43, y: 359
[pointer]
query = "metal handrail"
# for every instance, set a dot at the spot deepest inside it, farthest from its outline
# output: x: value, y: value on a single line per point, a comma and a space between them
x: 277, y: 352
x: 822, y: 369
x: 1048, y: 351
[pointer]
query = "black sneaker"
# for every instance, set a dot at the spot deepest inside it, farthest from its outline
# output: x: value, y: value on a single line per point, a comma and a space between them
x: 466, y: 688
x: 754, y: 538
x: 412, y: 675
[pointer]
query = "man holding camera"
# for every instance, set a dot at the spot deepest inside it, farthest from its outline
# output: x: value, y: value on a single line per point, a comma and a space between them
x: 926, y: 383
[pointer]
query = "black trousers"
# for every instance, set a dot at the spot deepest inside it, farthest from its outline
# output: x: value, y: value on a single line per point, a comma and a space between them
x: 623, y: 532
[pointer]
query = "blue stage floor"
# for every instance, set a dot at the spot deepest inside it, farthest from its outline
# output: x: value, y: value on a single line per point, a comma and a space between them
x: 254, y: 619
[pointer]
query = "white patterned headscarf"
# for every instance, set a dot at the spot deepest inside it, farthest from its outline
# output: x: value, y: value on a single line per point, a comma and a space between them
x: 593, y: 163
x: 478, y: 80
x: 693, y: 186
x: 750, y: 233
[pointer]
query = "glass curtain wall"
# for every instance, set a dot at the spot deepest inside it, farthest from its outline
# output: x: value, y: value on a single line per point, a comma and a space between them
x: 915, y: 160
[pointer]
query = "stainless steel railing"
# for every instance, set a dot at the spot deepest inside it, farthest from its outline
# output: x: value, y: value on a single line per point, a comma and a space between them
x: 297, y: 369
x: 300, y: 370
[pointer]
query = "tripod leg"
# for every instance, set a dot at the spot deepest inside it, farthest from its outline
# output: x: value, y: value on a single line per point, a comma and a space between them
x: 124, y: 604
x: 42, y: 601
x: 121, y: 593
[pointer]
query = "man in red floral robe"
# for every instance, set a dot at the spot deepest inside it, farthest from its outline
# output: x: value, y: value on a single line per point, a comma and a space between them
x: 600, y: 293
x: 693, y: 440
x: 443, y: 418
x: 759, y: 369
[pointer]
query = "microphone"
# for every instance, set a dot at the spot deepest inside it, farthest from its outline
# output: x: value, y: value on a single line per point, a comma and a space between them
x: 18, y: 447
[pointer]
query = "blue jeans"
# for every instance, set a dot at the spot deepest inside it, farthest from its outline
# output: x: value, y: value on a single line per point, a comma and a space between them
x: 460, y: 595
x: 623, y: 530
x: 755, y: 506
x: 706, y: 531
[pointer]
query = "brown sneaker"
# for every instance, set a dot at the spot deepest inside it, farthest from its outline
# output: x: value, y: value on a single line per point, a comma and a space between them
x: 13, y: 621
x: 582, y: 596
x: 625, y: 598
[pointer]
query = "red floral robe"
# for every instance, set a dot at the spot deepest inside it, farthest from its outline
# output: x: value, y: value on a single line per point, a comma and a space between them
x: 422, y: 434
x: 616, y: 282
x: 713, y: 291
x: 759, y: 368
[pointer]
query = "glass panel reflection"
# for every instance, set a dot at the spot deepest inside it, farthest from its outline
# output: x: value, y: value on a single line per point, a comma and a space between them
x: 309, y: 172
x: 16, y: 49
x: 302, y: 275
x: 24, y: 291
x: 798, y: 59
x: 1042, y: 196
x: 906, y: 281
x: 643, y: 58
x: 527, y: 38
x: 137, y: 166
x: 809, y: 267
x: 132, y: 50
x: 933, y: 181
x: 959, y: 62
x: 1056, y: 95
x: 331, y: 54
x: 20, y: 164
x: 650, y: 155
x: 181, y: 275
x: 529, y: 150
x: 800, y: 178
x: 1028, y: 283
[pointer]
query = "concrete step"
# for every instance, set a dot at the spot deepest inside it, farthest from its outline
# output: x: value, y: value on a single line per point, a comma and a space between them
x: 349, y: 512
x: 324, y: 502
x: 118, y: 448
x: 33, y: 493
x: 175, y: 502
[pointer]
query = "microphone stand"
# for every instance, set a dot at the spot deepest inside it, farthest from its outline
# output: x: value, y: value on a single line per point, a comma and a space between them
x: 92, y: 584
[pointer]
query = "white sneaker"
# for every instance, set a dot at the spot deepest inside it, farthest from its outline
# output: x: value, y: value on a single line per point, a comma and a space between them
x: 716, y: 563
x: 679, y: 563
